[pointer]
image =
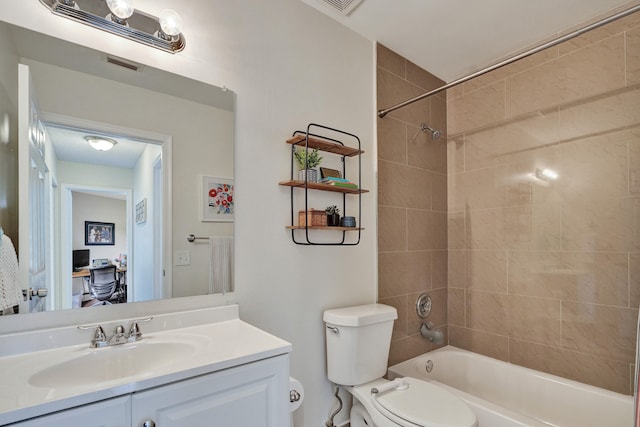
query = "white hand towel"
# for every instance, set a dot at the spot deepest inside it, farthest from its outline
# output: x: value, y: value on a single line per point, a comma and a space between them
x: 10, y: 292
x: 220, y: 264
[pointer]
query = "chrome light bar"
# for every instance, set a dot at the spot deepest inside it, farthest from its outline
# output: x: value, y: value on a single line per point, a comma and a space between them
x: 140, y: 27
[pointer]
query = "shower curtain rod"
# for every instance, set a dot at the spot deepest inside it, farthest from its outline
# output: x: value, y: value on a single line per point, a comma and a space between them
x: 561, y: 39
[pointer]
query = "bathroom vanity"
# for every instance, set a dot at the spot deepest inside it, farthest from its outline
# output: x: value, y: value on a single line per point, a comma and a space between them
x: 187, y: 370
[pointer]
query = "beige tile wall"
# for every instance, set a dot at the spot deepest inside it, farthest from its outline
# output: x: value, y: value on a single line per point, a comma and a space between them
x: 546, y: 274
x: 412, y: 202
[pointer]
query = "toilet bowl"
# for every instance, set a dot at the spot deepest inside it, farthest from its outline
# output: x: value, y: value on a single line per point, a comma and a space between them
x: 420, y: 404
x: 358, y: 341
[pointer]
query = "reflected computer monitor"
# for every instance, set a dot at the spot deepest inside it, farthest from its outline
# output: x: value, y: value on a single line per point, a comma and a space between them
x: 81, y: 259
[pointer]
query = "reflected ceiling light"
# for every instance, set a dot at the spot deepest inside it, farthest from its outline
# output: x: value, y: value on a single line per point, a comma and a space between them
x: 100, y: 143
x: 119, y: 17
x: 546, y: 174
x: 4, y: 129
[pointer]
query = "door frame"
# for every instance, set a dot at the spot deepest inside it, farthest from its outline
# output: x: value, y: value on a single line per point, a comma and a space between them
x: 165, y: 142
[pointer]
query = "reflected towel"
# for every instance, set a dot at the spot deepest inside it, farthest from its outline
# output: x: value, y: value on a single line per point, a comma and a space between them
x: 10, y: 292
x: 220, y: 264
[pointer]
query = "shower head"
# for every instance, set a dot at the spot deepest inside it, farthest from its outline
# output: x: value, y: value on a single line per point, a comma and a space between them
x: 435, y: 133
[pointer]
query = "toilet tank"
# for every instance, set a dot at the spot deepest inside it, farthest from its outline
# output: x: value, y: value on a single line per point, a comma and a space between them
x: 358, y: 341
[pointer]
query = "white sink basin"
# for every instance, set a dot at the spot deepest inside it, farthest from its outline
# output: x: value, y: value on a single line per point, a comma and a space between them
x: 112, y: 363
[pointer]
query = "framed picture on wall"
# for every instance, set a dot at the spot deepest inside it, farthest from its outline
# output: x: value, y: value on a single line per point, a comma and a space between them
x: 99, y: 233
x: 141, y: 211
x: 216, y: 199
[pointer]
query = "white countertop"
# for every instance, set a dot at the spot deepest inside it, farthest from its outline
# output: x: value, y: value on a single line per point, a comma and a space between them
x: 209, y: 348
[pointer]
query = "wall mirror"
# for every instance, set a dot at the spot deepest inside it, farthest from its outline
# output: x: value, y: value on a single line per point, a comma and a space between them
x: 132, y: 206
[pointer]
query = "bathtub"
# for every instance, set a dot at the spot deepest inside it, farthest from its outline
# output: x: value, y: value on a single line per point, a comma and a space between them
x: 506, y: 395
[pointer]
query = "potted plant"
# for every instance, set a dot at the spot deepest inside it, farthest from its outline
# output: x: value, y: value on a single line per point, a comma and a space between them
x: 307, y: 161
x: 333, y: 216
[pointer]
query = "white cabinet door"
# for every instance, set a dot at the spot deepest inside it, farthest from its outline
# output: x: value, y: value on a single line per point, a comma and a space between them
x: 108, y: 413
x: 253, y: 395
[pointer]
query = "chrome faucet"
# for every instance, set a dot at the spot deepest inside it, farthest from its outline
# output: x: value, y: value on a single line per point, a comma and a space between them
x: 433, y: 335
x: 119, y: 335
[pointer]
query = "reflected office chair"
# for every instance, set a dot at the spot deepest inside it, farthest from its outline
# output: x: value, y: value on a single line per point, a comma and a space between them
x: 102, y: 284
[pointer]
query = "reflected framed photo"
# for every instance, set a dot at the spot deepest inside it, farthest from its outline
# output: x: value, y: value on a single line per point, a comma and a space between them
x: 141, y: 211
x: 99, y: 233
x: 217, y: 199
x: 329, y: 173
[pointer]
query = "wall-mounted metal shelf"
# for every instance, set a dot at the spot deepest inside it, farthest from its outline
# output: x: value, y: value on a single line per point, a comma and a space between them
x: 300, y: 234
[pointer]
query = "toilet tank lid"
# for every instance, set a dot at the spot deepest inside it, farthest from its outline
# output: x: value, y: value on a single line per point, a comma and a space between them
x: 360, y: 315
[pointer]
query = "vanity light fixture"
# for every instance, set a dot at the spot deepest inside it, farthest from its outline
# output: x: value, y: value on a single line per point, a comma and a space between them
x: 100, y: 143
x: 119, y: 17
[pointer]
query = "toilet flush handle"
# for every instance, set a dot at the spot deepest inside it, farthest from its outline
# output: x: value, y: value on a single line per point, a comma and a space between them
x: 333, y: 329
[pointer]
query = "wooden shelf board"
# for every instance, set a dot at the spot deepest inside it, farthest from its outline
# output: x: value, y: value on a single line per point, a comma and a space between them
x: 319, y: 227
x: 330, y: 147
x: 323, y: 187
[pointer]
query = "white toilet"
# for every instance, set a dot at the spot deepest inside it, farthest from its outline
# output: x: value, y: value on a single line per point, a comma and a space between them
x: 358, y: 340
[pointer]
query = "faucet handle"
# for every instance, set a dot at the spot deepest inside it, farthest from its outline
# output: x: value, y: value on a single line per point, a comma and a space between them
x: 99, y: 335
x: 134, y: 331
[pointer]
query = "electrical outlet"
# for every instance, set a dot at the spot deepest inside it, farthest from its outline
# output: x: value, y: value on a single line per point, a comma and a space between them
x: 182, y: 258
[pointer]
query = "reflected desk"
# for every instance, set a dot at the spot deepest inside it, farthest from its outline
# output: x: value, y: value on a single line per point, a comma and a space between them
x: 121, y: 276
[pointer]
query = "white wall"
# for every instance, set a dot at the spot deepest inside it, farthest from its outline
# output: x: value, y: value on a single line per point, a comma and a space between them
x: 143, y: 232
x: 289, y: 65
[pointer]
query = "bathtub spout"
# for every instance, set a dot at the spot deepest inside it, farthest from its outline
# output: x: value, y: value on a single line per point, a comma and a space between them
x: 434, y: 335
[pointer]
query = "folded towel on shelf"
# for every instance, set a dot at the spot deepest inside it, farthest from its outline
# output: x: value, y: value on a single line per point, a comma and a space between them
x: 10, y: 291
x: 220, y: 264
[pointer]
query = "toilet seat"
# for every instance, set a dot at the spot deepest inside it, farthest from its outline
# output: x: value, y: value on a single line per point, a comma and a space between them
x: 421, y: 404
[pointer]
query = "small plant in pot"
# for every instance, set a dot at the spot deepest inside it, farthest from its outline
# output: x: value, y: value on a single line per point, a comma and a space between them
x: 307, y: 161
x: 333, y: 216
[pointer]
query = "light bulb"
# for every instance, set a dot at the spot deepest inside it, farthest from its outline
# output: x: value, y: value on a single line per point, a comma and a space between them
x: 122, y: 9
x: 170, y: 22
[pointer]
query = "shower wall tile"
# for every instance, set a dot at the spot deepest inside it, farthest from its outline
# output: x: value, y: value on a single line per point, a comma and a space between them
x: 534, y: 319
x: 634, y: 164
x: 393, y: 89
x: 634, y: 280
x: 391, y: 61
x: 439, y: 273
x: 412, y: 202
x: 456, y: 307
x: 486, y: 271
x: 601, y: 224
x: 596, y: 277
x: 455, y: 155
x: 456, y: 230
x: 400, y: 324
x: 593, y: 70
x: 600, y: 330
x: 480, y: 189
x: 601, y: 114
x: 422, y: 78
x: 487, y: 312
x: 425, y: 153
x: 401, y: 273
x: 633, y: 56
x: 476, y: 109
x: 511, y: 69
x: 392, y: 229
x: 586, y: 368
x: 428, y: 230
x: 408, y: 347
x: 491, y: 345
x: 402, y: 186
x: 392, y: 140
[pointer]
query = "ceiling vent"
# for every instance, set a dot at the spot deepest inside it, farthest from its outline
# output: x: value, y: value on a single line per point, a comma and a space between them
x: 343, y: 6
